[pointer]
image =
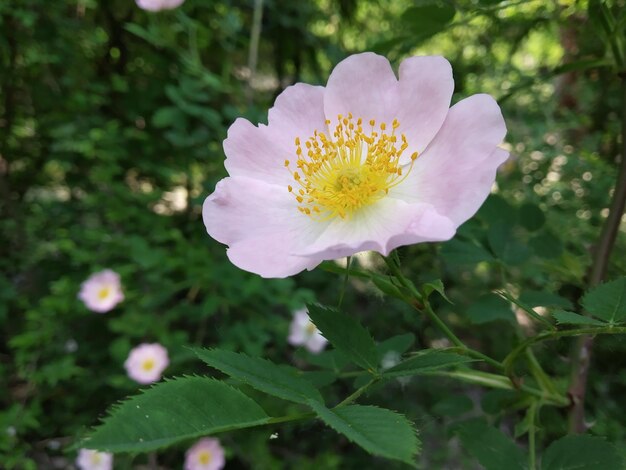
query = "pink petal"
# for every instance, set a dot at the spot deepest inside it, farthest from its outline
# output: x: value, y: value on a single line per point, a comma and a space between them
x: 425, y: 90
x: 260, y: 152
x: 457, y: 170
x: 364, y: 85
x: 261, y: 225
x: 381, y: 227
x: 316, y: 343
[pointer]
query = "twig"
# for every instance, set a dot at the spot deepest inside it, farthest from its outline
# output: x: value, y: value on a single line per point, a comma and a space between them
x: 581, y: 355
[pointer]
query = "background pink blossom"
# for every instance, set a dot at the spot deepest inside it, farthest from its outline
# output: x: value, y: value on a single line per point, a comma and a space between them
x: 102, y: 291
x: 302, y: 332
x: 158, y: 5
x: 89, y: 459
x: 206, y: 454
x: 146, y: 362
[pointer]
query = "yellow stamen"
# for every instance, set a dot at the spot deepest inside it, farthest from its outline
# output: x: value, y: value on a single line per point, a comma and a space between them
x: 104, y: 293
x: 148, y: 365
x: 348, y: 168
x: 204, y: 457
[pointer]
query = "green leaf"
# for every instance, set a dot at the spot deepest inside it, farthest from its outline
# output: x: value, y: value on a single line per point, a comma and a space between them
x: 428, y: 18
x: 426, y: 361
x: 346, y: 334
x: 536, y: 298
x: 172, y: 411
x: 581, y: 453
x: 531, y: 217
x: 434, y: 286
x: 504, y: 245
x: 564, y: 317
x: 281, y: 381
x: 489, y: 307
x: 398, y: 344
x: 390, y: 289
x: 546, y: 245
x: 453, y: 405
x: 377, y: 430
x: 490, y: 446
x: 607, y: 301
x: 457, y: 252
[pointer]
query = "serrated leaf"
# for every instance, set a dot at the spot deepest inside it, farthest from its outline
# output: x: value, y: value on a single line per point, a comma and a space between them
x: 490, y: 446
x: 426, y: 361
x: 581, y: 453
x: 377, y: 430
x: 564, y: 317
x: 172, y: 411
x: 280, y: 381
x: 346, y: 334
x: 607, y: 301
x: 489, y: 307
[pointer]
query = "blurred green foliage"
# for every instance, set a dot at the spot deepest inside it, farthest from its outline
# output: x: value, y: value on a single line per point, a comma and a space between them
x: 110, y: 138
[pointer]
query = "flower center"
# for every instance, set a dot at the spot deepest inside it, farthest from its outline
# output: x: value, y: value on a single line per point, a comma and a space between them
x: 148, y: 365
x: 204, y: 457
x: 311, y: 329
x: 95, y: 458
x: 350, y: 170
x: 104, y: 293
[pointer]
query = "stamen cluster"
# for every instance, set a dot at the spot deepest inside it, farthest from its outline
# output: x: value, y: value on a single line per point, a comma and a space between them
x: 338, y: 175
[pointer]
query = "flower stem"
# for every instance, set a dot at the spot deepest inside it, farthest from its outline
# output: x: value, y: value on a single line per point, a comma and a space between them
x: 345, y: 282
x: 427, y: 309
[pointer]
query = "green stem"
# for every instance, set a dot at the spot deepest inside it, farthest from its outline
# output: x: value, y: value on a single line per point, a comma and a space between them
x: 532, y: 457
x: 550, y: 335
x: 500, y: 382
x: 358, y: 392
x: 427, y: 309
x: 345, y: 282
x: 285, y: 419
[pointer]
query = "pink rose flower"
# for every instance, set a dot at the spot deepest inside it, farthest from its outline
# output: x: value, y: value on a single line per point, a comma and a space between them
x: 89, y: 459
x: 158, y: 5
x: 369, y: 162
x: 146, y: 362
x: 102, y: 291
x: 302, y: 332
x: 206, y: 454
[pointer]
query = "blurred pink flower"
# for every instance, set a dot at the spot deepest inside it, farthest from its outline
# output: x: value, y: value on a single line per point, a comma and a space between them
x: 146, y: 362
x: 158, y: 5
x: 102, y: 291
x: 89, y: 459
x: 302, y: 332
x: 206, y: 454
x: 370, y: 162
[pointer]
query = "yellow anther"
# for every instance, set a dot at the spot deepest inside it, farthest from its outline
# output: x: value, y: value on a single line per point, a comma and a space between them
x: 347, y: 168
